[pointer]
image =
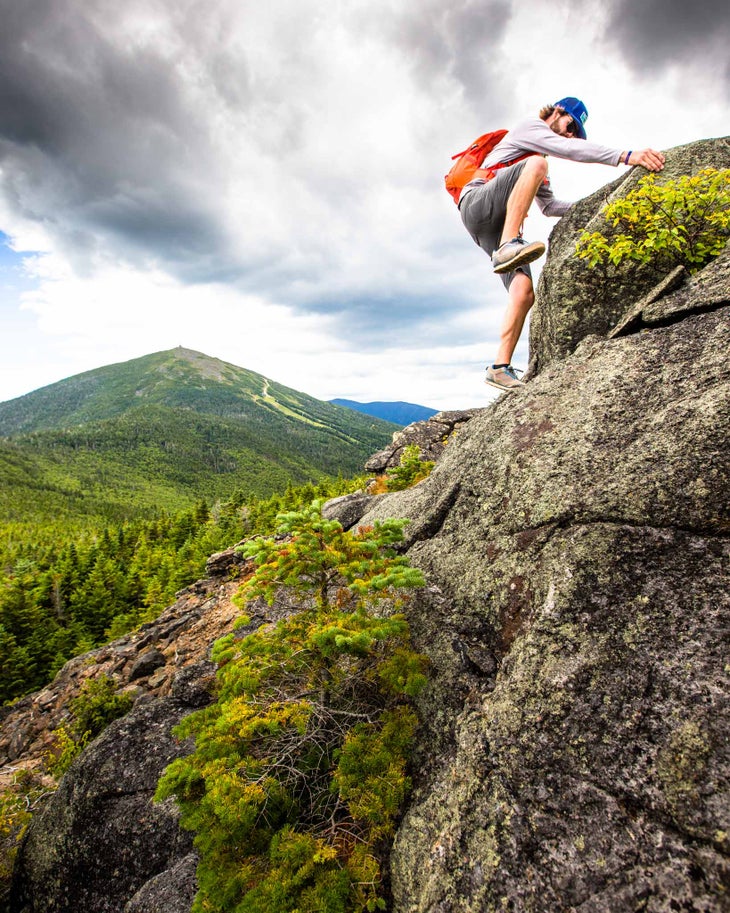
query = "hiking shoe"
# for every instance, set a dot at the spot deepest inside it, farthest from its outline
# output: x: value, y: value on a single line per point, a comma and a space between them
x: 503, y: 378
x: 514, y: 253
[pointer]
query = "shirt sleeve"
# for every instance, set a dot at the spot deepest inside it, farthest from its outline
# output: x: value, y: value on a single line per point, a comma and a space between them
x: 534, y: 135
x: 547, y: 203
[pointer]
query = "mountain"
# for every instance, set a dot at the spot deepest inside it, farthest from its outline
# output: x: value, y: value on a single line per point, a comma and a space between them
x: 399, y: 412
x: 164, y: 430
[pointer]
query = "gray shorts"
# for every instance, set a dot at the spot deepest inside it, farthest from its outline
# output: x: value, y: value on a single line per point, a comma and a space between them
x: 483, y: 211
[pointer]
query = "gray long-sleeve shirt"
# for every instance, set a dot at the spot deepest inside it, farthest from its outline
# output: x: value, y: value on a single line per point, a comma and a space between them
x: 534, y: 135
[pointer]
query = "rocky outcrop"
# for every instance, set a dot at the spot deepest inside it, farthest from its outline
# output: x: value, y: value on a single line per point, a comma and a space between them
x: 575, y: 536
x: 574, y: 302
x: 430, y: 437
x: 100, y: 838
x: 99, y: 843
x: 349, y: 509
x: 173, y: 891
x: 577, y: 543
x: 143, y: 664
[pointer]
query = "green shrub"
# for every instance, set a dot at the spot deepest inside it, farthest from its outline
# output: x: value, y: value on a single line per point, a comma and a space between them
x: 411, y: 469
x: 92, y: 710
x: 67, y: 746
x: 681, y: 222
x: 97, y: 705
x: 17, y: 803
x: 300, y: 767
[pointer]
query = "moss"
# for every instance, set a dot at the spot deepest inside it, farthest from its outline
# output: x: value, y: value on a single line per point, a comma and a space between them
x: 681, y: 764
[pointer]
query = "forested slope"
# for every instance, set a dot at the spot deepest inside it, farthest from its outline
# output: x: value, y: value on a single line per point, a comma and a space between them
x: 117, y: 484
x: 66, y: 588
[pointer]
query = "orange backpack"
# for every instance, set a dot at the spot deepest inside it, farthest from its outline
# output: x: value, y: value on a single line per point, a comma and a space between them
x: 467, y: 167
x: 469, y: 161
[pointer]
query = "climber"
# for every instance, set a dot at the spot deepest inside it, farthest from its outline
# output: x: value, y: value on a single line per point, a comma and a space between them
x: 494, y: 208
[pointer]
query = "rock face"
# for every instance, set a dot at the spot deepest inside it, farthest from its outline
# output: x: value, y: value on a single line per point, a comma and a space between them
x: 430, y: 436
x: 100, y: 838
x: 574, y: 302
x: 348, y: 509
x: 99, y: 843
x: 143, y: 664
x: 574, y: 753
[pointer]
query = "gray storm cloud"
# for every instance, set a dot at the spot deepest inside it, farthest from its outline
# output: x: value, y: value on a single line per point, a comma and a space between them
x: 461, y: 37
x: 124, y: 127
x: 244, y: 143
x: 96, y: 134
x: 656, y: 34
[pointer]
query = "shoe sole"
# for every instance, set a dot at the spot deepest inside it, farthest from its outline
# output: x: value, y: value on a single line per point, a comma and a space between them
x: 520, y: 259
x: 493, y: 383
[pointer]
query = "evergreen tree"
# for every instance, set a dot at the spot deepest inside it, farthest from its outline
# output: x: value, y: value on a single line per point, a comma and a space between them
x: 300, y: 767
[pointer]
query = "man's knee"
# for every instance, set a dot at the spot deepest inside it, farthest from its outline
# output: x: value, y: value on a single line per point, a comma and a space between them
x: 537, y: 166
x: 522, y: 292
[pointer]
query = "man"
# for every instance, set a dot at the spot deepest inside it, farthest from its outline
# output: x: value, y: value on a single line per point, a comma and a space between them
x: 494, y: 208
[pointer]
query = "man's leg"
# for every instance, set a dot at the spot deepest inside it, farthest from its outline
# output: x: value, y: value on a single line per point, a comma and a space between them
x: 521, y: 292
x: 523, y: 193
x: 521, y: 299
x: 512, y: 251
x: 483, y: 212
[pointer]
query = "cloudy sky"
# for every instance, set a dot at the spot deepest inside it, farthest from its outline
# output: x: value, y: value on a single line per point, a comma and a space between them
x: 263, y: 182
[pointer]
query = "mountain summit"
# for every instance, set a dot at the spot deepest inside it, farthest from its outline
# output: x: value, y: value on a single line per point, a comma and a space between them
x: 177, y: 379
x: 165, y: 429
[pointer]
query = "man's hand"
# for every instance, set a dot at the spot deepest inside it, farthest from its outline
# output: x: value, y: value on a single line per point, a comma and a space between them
x: 647, y: 158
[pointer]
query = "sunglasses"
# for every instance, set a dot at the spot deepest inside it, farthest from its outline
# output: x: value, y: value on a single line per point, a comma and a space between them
x: 571, y: 128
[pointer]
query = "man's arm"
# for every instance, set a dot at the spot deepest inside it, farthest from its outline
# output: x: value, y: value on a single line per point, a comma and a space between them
x: 534, y: 135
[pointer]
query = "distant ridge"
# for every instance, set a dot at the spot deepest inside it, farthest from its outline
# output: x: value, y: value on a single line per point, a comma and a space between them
x: 400, y: 413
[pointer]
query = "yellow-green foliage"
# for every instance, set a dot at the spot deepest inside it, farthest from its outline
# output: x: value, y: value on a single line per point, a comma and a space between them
x: 67, y: 746
x: 318, y: 553
x: 96, y: 705
x: 17, y: 803
x: 371, y: 769
x: 300, y: 767
x: 411, y: 469
x: 684, y: 221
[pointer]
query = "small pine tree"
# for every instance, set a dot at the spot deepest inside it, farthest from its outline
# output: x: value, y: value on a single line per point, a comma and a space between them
x: 300, y: 767
x: 310, y: 554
